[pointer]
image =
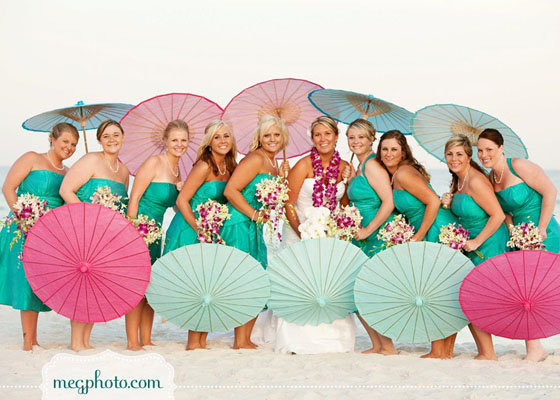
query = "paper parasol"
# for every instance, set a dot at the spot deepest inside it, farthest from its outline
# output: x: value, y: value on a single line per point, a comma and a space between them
x: 434, y: 125
x: 345, y: 107
x: 311, y: 281
x: 515, y: 295
x: 208, y: 287
x: 86, y: 262
x: 410, y: 292
x: 145, y: 123
x: 284, y: 98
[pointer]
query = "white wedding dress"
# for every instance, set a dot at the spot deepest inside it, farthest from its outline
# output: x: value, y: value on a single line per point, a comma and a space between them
x: 286, y: 337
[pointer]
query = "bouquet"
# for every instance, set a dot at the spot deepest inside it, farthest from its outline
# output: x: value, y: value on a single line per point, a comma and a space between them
x: 211, y: 216
x: 148, y: 228
x: 273, y: 194
x: 525, y: 236
x: 317, y: 222
x: 454, y: 236
x: 27, y: 211
x: 396, y: 232
x: 104, y: 197
x: 345, y: 222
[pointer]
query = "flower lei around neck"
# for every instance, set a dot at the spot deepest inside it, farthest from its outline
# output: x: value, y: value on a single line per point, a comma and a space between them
x: 324, y: 195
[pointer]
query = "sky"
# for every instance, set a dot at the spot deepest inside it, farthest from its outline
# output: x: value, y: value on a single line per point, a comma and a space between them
x: 500, y: 57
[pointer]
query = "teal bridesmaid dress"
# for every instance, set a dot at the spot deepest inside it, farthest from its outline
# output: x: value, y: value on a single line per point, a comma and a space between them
x: 524, y: 204
x: 157, y: 198
x: 180, y: 233
x: 413, y: 209
x: 473, y: 218
x: 86, y: 191
x: 14, y: 288
x: 242, y: 233
x: 366, y: 200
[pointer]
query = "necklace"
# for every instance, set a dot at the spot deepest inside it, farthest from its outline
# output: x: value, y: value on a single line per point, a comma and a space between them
x: 273, y: 164
x: 501, y: 174
x: 460, y: 188
x: 220, y: 171
x: 109, y: 165
x: 175, y: 174
x: 54, y: 166
x: 393, y: 176
x: 324, y: 194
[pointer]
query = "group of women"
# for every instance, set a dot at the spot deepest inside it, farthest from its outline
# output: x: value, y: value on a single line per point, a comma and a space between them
x: 388, y: 182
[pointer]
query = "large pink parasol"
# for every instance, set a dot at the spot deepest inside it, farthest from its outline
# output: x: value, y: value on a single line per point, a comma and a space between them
x: 87, y: 262
x: 144, y: 125
x: 515, y: 295
x: 285, y: 98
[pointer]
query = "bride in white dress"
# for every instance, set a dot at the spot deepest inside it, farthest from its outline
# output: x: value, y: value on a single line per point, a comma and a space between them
x: 338, y: 336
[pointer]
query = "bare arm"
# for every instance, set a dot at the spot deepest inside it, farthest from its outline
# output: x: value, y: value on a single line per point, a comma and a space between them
x: 247, y: 169
x: 414, y: 183
x: 196, y: 178
x: 536, y: 178
x: 77, y: 176
x: 144, y: 177
x: 344, y: 166
x: 483, y: 195
x: 17, y: 173
x: 295, y: 180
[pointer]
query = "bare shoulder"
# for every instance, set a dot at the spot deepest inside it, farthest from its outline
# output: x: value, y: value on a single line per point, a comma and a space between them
x: 254, y: 159
x: 478, y: 181
x: 374, y: 166
x: 201, y: 167
x: 522, y: 165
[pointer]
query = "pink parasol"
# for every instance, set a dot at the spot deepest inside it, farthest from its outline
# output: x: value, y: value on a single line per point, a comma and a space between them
x: 87, y: 262
x: 515, y: 295
x: 285, y: 98
x: 144, y: 125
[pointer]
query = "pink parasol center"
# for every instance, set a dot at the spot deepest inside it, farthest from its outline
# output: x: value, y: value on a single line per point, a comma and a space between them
x: 84, y: 267
x: 527, y: 305
x: 288, y: 112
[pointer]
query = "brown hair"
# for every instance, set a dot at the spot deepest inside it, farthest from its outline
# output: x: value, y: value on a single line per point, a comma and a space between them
x: 327, y: 122
x: 492, y: 134
x: 204, y: 151
x: 463, y: 141
x: 105, y: 124
x: 364, y: 125
x: 61, y: 127
x: 175, y: 124
x: 408, y: 158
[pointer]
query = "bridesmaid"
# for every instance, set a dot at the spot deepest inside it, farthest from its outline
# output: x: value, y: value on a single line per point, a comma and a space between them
x: 241, y: 230
x: 94, y: 170
x: 370, y: 191
x: 40, y: 174
x: 526, y: 194
x: 214, y: 165
x: 417, y: 201
x: 474, y: 203
x: 153, y: 192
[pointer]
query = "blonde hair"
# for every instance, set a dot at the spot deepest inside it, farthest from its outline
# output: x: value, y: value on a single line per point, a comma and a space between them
x: 465, y: 143
x: 365, y: 126
x: 204, y: 151
x: 327, y: 122
x: 175, y: 124
x: 266, y: 122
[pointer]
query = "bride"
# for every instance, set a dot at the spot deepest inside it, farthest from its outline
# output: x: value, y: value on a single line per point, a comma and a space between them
x: 316, y: 180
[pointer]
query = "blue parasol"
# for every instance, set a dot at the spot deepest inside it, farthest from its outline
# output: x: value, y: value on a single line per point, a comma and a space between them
x: 84, y: 116
x: 345, y: 107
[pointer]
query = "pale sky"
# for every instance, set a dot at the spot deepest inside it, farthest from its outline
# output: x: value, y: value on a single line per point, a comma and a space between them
x: 500, y: 57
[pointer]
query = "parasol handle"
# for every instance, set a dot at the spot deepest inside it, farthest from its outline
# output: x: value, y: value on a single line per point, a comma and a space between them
x: 284, y: 154
x: 345, y: 180
x: 85, y: 137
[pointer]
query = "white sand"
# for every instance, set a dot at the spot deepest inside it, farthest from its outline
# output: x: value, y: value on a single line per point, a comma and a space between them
x: 222, y: 366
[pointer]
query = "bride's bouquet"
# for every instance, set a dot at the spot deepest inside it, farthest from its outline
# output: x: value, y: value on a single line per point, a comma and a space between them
x: 272, y: 193
x: 317, y: 223
x: 343, y: 223
x: 27, y: 211
x: 211, y: 217
x: 396, y: 232
x: 525, y: 236
x: 148, y: 228
x: 104, y: 197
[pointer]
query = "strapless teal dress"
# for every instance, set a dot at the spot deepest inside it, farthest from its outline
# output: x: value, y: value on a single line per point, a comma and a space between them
x: 366, y: 200
x: 242, y: 233
x: 413, y: 209
x: 524, y: 204
x: 157, y: 198
x: 86, y: 191
x: 473, y: 218
x: 180, y: 233
x: 14, y: 288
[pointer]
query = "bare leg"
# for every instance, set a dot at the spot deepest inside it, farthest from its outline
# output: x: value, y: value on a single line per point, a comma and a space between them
x: 193, y: 341
x: 442, y: 348
x: 29, y: 328
x: 77, y: 335
x: 484, y: 344
x: 132, y: 324
x: 87, y: 333
x: 203, y: 336
x: 387, y: 346
x: 146, y: 323
x: 373, y: 336
x: 250, y: 326
x: 240, y: 338
x: 450, y: 345
x: 535, y: 351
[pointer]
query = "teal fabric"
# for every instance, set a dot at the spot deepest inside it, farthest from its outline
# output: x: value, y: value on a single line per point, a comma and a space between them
x: 363, y: 196
x: 14, y: 288
x: 473, y: 218
x: 524, y: 204
x: 180, y: 233
x: 242, y: 233
x: 86, y: 191
x: 413, y: 209
x: 157, y: 198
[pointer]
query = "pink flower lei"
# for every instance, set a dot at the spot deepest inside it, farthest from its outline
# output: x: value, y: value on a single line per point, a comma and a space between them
x: 324, y: 194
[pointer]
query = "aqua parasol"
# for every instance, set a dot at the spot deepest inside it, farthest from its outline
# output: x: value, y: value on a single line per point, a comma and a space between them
x: 208, y: 287
x: 345, y: 107
x: 434, y: 125
x: 410, y: 292
x: 84, y: 116
x: 311, y: 281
